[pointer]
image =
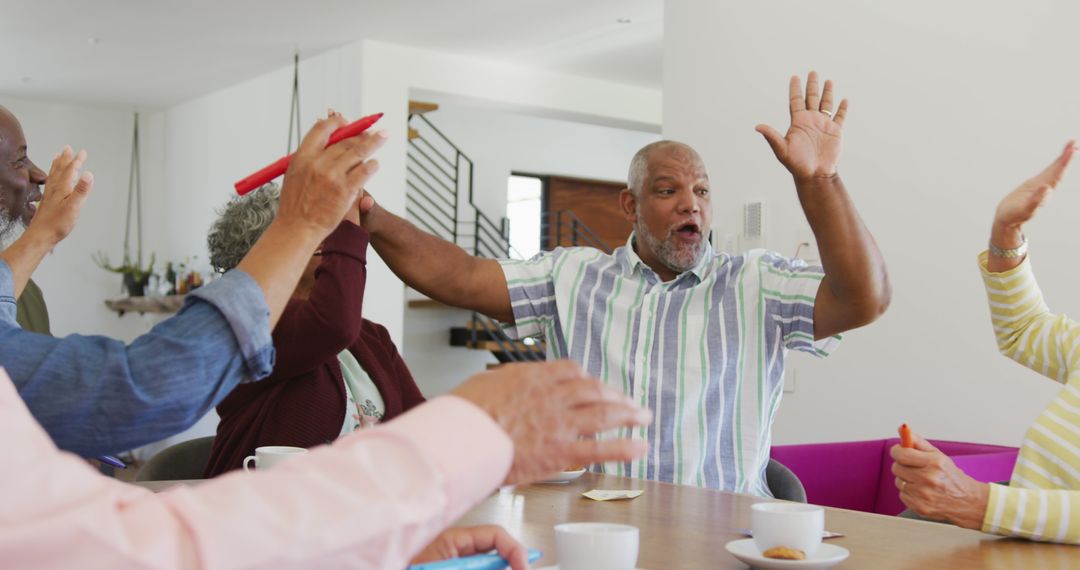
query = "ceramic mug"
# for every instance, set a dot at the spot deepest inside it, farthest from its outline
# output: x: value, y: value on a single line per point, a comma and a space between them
x: 269, y: 456
x: 791, y: 525
x: 596, y: 546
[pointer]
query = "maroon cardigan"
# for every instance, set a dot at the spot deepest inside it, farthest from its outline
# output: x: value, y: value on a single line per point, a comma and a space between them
x: 302, y: 403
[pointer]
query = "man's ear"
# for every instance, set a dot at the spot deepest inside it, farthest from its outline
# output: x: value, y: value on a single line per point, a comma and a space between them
x: 628, y: 202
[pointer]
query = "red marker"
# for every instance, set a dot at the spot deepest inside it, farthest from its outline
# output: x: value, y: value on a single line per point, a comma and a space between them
x: 905, y: 437
x: 278, y: 167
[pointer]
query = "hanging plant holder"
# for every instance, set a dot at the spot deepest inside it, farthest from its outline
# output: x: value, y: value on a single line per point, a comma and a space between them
x: 135, y: 276
x: 294, y: 106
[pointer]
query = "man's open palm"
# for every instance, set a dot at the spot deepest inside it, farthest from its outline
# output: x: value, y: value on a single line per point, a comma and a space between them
x: 811, y: 147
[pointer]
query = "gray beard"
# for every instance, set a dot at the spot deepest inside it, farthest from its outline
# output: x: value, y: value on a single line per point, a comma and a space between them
x: 667, y: 253
x: 10, y: 230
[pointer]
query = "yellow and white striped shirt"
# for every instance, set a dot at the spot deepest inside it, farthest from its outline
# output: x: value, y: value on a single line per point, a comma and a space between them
x: 1042, y: 501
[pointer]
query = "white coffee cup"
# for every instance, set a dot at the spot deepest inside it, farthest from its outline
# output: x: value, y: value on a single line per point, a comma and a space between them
x: 596, y: 546
x: 269, y: 456
x: 792, y: 525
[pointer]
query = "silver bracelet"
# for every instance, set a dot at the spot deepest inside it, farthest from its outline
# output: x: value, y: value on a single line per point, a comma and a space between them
x: 1018, y: 251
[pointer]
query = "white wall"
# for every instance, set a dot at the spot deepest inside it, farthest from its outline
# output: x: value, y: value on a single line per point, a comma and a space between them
x: 953, y: 104
x: 500, y: 142
x: 74, y: 286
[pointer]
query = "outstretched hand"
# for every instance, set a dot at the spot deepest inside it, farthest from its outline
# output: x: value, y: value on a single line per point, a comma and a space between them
x: 551, y: 410
x: 811, y: 147
x: 66, y: 190
x: 1021, y: 204
x: 324, y: 183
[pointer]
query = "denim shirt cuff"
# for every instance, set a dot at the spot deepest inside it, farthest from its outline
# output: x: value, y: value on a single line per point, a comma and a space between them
x: 7, y: 294
x: 240, y: 300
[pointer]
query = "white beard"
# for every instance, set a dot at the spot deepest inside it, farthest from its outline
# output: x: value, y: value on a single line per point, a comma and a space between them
x: 10, y: 230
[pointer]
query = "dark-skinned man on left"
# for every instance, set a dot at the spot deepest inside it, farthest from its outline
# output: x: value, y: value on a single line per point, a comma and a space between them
x: 20, y: 190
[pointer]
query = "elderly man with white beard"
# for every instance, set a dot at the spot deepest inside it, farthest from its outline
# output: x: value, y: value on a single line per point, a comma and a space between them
x: 20, y: 190
x: 697, y: 336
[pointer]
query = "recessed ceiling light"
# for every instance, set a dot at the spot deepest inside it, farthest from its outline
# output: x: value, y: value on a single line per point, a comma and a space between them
x: 623, y: 20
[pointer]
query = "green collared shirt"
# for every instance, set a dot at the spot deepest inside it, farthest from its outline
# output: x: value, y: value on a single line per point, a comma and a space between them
x: 31, y: 312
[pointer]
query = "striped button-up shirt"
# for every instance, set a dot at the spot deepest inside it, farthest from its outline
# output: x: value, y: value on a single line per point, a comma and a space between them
x: 1042, y: 501
x: 705, y: 351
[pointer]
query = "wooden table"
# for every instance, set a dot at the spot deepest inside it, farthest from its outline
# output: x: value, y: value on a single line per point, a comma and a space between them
x: 686, y: 528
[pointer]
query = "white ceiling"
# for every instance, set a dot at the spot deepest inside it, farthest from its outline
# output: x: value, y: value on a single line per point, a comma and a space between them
x: 154, y: 53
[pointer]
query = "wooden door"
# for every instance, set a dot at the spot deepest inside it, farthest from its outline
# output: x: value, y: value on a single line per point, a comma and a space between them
x: 593, y: 203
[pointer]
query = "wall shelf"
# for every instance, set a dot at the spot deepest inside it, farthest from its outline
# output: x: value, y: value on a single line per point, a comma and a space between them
x: 164, y: 304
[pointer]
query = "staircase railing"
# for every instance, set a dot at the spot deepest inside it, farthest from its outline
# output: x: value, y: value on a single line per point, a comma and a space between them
x: 565, y: 228
x: 525, y: 350
x: 440, y: 200
x: 435, y: 170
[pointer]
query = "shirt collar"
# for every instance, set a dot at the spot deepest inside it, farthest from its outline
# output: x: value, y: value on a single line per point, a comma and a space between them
x: 631, y: 261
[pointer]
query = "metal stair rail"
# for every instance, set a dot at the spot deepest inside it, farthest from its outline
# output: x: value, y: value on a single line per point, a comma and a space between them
x: 440, y: 200
x: 506, y: 349
x: 439, y: 177
x: 569, y: 230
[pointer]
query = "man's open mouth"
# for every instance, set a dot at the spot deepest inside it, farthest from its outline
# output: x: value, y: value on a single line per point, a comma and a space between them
x: 688, y: 231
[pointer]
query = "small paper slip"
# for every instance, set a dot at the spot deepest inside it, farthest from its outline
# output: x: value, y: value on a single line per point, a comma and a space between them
x: 611, y: 495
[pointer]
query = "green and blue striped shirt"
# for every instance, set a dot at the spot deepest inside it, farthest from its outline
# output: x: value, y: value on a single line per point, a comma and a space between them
x: 705, y: 351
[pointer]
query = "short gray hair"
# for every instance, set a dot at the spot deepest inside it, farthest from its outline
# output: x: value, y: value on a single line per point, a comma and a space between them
x: 639, y: 165
x: 239, y: 225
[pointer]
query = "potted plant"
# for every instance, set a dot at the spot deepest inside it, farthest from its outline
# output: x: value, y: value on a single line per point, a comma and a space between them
x: 134, y: 275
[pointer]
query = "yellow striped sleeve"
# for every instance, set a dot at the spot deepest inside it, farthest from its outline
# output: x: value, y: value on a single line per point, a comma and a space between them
x: 1049, y: 515
x: 1026, y: 330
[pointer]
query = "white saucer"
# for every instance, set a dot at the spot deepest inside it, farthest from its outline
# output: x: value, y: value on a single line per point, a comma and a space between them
x: 565, y: 476
x: 827, y: 555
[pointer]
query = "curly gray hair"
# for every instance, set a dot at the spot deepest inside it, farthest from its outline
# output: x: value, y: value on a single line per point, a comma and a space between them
x: 239, y: 225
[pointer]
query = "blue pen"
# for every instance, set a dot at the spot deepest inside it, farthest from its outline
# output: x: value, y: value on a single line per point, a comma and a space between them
x: 110, y: 460
x: 478, y: 562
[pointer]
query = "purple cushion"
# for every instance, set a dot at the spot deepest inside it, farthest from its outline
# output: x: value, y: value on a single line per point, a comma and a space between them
x: 858, y: 474
x: 836, y: 474
x: 888, y: 496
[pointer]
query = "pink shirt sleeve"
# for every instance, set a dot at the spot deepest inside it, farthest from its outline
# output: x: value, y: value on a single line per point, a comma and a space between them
x: 371, y: 500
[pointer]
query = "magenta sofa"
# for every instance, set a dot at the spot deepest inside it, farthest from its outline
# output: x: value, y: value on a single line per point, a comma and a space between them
x: 858, y: 475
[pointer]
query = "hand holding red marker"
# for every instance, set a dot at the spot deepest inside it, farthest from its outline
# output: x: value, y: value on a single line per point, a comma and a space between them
x: 279, y: 166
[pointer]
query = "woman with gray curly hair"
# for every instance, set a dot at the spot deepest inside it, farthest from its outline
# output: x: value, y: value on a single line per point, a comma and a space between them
x: 335, y: 371
x: 239, y: 225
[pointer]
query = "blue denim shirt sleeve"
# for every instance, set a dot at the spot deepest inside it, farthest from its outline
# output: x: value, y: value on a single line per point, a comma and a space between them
x: 95, y: 395
x: 7, y: 295
x: 240, y: 301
